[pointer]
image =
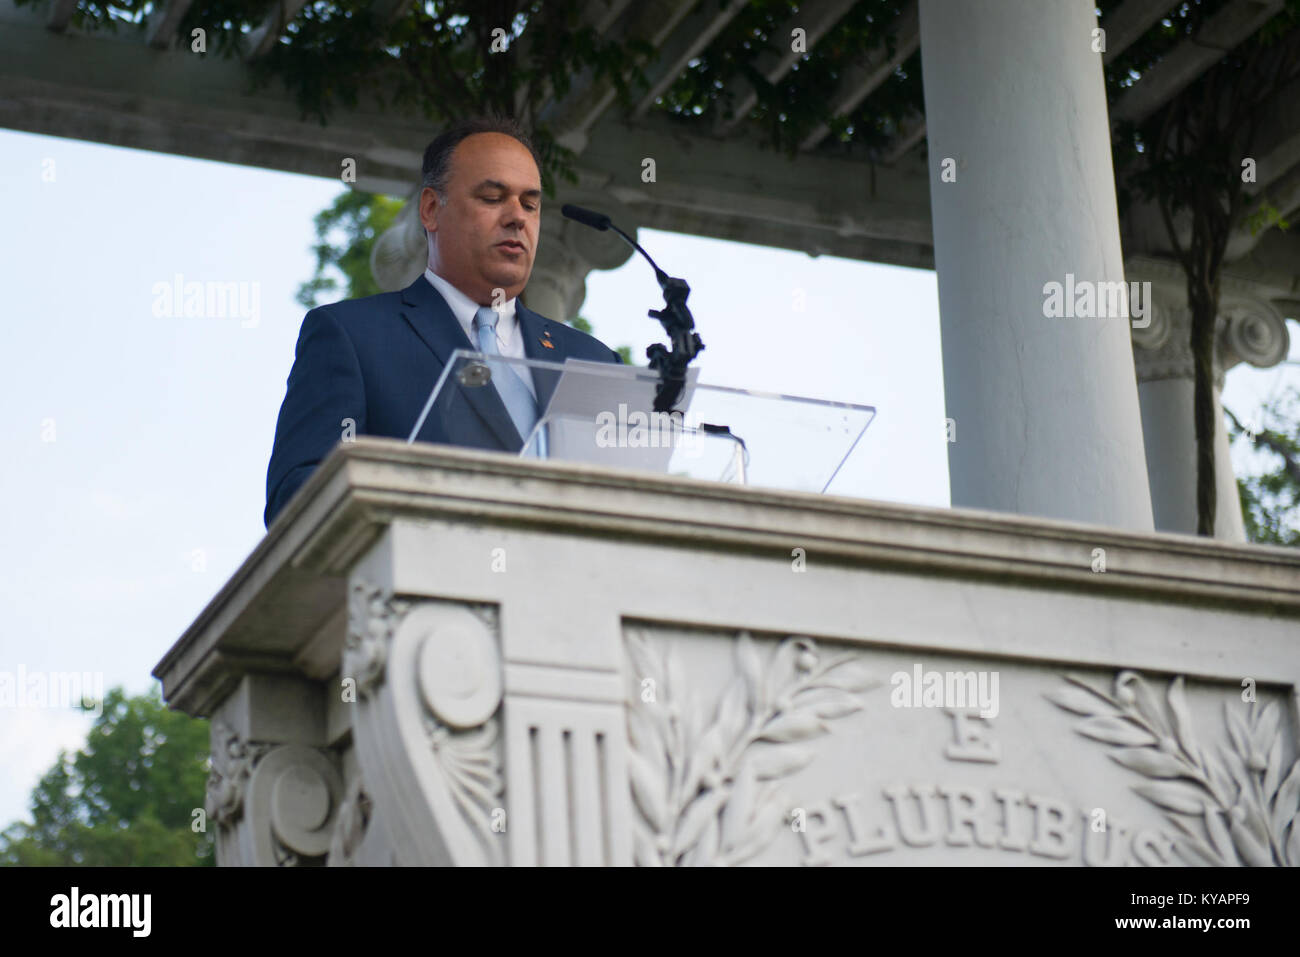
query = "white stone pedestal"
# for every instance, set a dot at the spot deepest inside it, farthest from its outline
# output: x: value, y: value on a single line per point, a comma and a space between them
x: 443, y: 656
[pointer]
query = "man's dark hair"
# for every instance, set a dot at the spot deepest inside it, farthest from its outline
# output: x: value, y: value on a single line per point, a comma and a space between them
x: 437, y: 155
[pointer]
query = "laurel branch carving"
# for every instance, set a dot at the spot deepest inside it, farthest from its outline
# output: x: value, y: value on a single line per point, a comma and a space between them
x: 708, y: 793
x: 1229, y: 809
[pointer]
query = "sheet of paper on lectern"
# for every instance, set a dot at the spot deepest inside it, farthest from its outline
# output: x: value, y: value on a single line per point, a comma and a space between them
x: 589, y: 390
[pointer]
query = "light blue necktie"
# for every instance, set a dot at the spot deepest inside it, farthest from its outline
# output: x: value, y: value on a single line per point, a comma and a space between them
x: 518, y: 399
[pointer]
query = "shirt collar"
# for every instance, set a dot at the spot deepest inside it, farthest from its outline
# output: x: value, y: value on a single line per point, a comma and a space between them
x: 464, y: 308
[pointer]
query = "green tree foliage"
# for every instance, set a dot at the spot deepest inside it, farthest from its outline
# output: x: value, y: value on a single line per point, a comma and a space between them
x: 1270, y: 499
x: 345, y: 235
x: 126, y: 798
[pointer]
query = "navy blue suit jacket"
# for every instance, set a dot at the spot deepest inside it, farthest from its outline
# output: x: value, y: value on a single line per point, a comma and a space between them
x: 375, y: 361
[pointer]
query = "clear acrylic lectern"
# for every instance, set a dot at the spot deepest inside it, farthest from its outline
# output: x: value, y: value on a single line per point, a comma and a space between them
x: 602, y: 413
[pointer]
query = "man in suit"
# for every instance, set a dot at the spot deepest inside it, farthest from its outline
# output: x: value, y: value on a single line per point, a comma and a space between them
x: 367, y: 366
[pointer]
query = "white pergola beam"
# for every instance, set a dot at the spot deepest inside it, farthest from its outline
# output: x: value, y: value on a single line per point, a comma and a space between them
x: 261, y: 39
x: 60, y: 15
x: 573, y: 117
x: 112, y: 90
x: 734, y: 179
x: 815, y: 19
x: 1166, y: 79
x: 1130, y: 21
x: 387, y: 11
x: 690, y: 38
x: 602, y: 14
x: 911, y: 132
x: 1284, y: 193
x: 866, y: 77
x: 1276, y: 149
x: 164, y: 23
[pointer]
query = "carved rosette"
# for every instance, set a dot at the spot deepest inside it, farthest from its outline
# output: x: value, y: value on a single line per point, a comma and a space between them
x: 1231, y: 805
x: 272, y: 805
x: 1256, y: 333
x: 707, y: 790
x: 425, y: 726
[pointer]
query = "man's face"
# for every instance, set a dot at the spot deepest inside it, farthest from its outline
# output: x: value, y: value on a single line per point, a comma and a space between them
x: 484, y: 237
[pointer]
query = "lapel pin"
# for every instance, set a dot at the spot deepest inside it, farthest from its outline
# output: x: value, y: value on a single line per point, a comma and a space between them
x: 546, y: 339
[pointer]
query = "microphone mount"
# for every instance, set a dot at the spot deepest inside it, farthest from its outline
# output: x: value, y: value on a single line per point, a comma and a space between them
x: 675, y: 317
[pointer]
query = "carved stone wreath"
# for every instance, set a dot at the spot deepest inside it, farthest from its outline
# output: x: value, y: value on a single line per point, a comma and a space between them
x: 1231, y: 809
x: 708, y: 793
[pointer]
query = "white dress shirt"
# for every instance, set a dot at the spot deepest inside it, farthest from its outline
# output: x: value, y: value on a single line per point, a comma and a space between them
x: 510, y: 341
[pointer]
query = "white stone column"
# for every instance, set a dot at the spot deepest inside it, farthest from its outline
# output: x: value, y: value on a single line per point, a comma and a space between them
x: 568, y: 251
x: 1046, y: 409
x: 1169, y: 427
x: 401, y: 252
x: 1249, y: 329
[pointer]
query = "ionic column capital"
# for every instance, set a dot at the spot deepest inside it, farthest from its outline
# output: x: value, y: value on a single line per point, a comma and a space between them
x: 1249, y: 328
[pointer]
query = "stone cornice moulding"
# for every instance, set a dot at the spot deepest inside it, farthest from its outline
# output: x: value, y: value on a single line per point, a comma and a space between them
x: 1168, y: 275
x: 364, y: 486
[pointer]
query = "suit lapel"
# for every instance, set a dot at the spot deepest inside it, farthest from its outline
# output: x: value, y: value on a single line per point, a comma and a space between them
x: 432, y: 319
x: 537, y: 330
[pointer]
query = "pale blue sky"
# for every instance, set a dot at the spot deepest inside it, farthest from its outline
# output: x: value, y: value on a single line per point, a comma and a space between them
x: 119, y: 532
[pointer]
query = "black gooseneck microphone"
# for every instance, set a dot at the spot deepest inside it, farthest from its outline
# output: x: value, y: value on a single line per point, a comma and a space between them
x: 675, y: 317
x: 587, y: 217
